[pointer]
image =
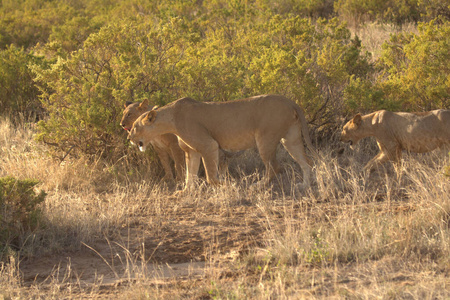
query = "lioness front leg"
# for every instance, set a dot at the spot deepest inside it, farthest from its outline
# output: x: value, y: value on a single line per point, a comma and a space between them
x: 179, y: 161
x: 165, y: 162
x: 376, y: 161
x: 192, y: 166
x: 391, y: 152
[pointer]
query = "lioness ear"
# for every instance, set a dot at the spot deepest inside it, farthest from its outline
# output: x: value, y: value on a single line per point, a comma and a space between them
x: 144, y: 105
x: 149, y: 118
x: 127, y: 103
x: 357, y: 120
x: 155, y: 107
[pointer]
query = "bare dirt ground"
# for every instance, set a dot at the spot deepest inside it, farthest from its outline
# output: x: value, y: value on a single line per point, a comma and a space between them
x: 180, y: 249
x: 193, y: 242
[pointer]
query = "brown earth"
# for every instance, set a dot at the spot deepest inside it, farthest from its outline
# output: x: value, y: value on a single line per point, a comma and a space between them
x: 189, y: 243
x: 181, y: 248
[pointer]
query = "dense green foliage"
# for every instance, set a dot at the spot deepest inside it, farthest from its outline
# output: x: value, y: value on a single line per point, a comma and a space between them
x: 414, y: 73
x: 84, y: 94
x: 18, y: 91
x: 79, y: 60
x: 420, y: 71
x: 19, y: 212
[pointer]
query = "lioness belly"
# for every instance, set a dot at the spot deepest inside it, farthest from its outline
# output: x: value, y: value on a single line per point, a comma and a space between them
x: 424, y: 145
x: 237, y: 142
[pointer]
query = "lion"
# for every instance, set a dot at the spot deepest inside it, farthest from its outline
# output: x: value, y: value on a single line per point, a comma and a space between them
x: 396, y: 131
x: 165, y: 145
x: 204, y: 127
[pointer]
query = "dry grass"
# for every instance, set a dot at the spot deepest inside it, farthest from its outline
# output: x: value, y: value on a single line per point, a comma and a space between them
x: 373, y: 35
x: 110, y: 234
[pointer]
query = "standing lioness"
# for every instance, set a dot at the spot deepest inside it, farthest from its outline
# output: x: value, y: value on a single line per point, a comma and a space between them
x: 165, y: 145
x: 203, y: 128
x: 397, y: 131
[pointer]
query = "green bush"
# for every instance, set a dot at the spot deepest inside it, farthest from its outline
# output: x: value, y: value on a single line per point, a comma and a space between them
x: 20, y: 213
x: 418, y: 66
x: 212, y: 58
x: 309, y: 63
x: 84, y: 94
x: 19, y: 93
x: 28, y: 23
x: 432, y: 9
x: 412, y: 73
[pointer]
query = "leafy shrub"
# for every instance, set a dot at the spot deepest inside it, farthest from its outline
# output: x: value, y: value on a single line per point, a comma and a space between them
x: 412, y: 73
x: 304, y: 8
x: 84, y: 94
x: 217, y: 61
x: 432, y: 9
x: 27, y: 23
x: 19, y: 211
x: 309, y: 63
x: 19, y: 93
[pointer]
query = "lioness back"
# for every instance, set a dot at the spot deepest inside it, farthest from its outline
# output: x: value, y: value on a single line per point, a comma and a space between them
x: 420, y: 132
x: 234, y: 124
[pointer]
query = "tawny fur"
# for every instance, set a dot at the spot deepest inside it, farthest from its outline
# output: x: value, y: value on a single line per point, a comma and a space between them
x: 165, y: 145
x: 203, y: 128
x: 396, y: 131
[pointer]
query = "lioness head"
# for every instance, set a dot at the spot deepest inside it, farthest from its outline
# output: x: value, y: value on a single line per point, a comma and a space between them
x: 132, y: 112
x: 350, y: 133
x: 139, y: 134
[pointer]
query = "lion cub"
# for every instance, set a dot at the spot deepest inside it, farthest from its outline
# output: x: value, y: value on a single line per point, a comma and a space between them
x: 203, y: 128
x: 397, y: 131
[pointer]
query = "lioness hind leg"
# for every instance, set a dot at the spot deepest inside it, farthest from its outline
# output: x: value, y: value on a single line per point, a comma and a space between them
x: 294, y: 145
x: 210, y: 157
x: 267, y: 150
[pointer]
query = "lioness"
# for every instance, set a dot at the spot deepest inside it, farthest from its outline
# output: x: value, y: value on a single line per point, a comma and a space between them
x: 203, y: 128
x: 397, y: 131
x: 165, y: 145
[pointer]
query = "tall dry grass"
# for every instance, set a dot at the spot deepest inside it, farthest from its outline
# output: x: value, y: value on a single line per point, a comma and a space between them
x: 351, y: 235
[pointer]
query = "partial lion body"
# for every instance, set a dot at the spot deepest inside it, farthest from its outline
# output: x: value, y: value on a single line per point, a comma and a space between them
x: 165, y: 145
x: 397, y: 131
x: 203, y: 128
